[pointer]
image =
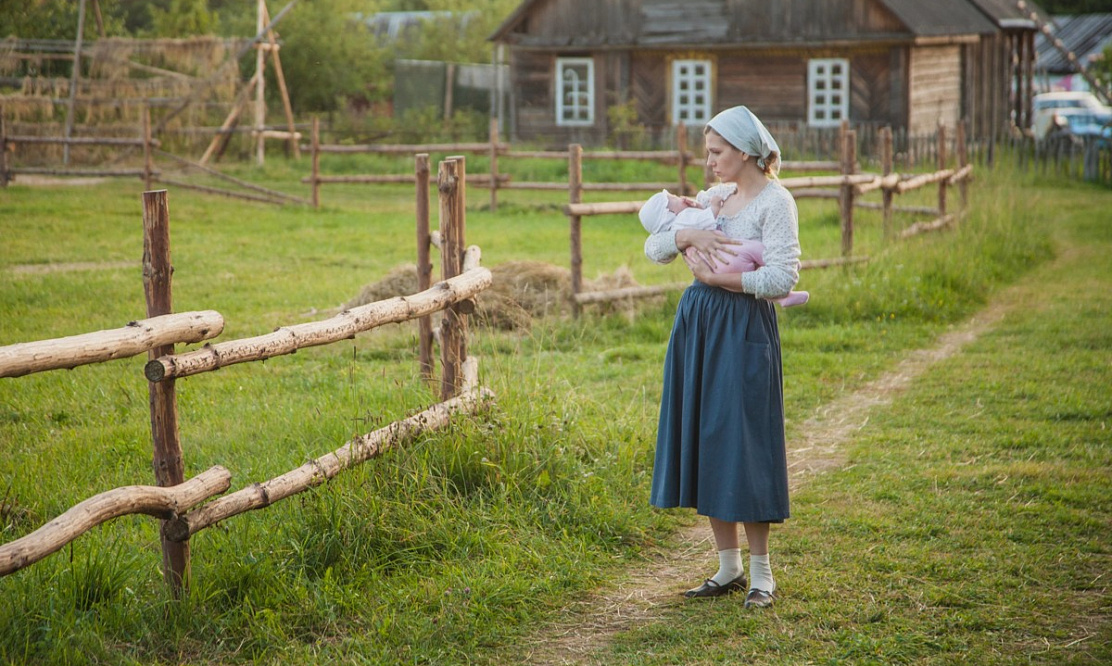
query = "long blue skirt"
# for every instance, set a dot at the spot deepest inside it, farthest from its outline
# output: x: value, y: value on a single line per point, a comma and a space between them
x: 720, y: 440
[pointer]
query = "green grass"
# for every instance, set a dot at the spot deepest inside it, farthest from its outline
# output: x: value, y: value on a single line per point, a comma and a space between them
x: 971, y: 525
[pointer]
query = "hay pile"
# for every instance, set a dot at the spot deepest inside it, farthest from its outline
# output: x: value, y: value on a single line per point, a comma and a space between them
x: 521, y: 291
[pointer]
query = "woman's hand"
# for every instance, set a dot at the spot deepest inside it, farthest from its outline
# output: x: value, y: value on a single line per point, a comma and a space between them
x: 713, y: 245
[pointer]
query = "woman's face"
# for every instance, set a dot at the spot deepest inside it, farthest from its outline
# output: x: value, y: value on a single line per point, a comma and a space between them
x: 725, y: 160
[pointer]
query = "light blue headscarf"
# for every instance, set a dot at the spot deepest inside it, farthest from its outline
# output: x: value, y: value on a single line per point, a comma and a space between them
x: 745, y: 131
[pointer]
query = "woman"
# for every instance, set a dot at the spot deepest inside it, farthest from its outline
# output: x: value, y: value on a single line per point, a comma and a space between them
x: 720, y: 443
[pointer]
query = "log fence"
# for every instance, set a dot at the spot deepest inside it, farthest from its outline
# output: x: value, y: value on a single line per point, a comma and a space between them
x: 148, y: 173
x: 180, y: 503
x: 847, y: 187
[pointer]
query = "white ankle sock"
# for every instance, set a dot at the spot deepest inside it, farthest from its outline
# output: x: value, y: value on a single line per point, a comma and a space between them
x: 729, y: 566
x: 760, y: 574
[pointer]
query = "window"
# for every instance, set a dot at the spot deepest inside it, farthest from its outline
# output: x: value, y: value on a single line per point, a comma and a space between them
x: 690, y: 92
x: 575, y: 91
x: 827, y: 92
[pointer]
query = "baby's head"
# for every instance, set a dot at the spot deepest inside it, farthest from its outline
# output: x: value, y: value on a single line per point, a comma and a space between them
x: 660, y: 210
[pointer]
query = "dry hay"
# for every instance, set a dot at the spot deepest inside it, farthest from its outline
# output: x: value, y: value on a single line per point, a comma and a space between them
x: 520, y: 292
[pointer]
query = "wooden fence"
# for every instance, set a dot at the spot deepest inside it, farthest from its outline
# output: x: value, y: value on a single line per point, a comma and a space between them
x: 177, y: 501
x: 146, y: 142
x: 495, y: 179
x: 847, y: 188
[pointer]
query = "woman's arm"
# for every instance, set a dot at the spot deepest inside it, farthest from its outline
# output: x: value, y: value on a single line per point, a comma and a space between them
x: 780, y: 235
x: 663, y: 247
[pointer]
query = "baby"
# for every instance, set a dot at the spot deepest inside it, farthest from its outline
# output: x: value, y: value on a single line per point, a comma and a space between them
x: 664, y: 211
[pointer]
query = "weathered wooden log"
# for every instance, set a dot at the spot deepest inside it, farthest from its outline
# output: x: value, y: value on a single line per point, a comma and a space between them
x: 816, y: 193
x: 628, y: 292
x: 225, y: 193
x: 827, y: 181
x: 479, y: 178
x: 920, y: 210
x: 289, y: 339
x: 538, y: 154
x: 148, y: 500
x: 472, y: 257
x: 414, y: 149
x: 961, y: 174
x: 242, y: 183
x: 810, y: 166
x: 79, y: 141
x: 50, y: 171
x: 922, y: 180
x: 136, y: 338
x: 923, y: 227
x: 827, y: 263
x: 627, y: 187
x: 604, y: 208
x: 320, y: 470
x: 886, y: 182
x: 528, y: 185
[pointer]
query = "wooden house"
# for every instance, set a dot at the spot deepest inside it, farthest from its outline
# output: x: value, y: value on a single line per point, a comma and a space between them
x: 908, y: 64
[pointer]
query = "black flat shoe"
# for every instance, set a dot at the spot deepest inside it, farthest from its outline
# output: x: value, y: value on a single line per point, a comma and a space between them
x: 759, y: 599
x: 712, y: 589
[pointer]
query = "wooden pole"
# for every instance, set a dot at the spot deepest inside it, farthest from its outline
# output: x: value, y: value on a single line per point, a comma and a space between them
x: 681, y: 146
x: 941, y: 167
x: 315, y: 146
x: 886, y: 166
x: 449, y: 183
x: 75, y: 79
x: 849, y: 164
x: 963, y: 160
x: 493, y: 164
x: 148, y: 162
x: 99, y: 19
x: 169, y: 470
x: 4, y: 177
x: 260, y: 100
x: 273, y: 44
x: 575, y: 195
x: 424, y: 262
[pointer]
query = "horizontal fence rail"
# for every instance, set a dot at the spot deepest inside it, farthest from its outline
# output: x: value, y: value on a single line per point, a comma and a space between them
x: 320, y: 470
x: 154, y: 501
x: 136, y: 338
x: 288, y: 339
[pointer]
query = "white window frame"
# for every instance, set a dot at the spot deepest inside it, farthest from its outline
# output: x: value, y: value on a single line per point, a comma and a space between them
x: 691, y: 91
x: 827, y: 91
x: 575, y: 92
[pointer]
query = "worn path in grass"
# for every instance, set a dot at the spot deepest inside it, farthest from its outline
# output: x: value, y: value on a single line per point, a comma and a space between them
x: 655, y: 587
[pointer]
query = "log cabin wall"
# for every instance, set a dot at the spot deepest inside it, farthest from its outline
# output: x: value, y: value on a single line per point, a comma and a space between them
x: 934, y: 87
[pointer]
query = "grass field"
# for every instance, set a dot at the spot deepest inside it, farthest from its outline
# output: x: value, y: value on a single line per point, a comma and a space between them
x: 971, y: 524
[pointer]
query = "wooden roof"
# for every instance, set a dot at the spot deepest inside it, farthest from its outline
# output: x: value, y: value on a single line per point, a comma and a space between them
x: 1086, y: 35
x: 710, y: 23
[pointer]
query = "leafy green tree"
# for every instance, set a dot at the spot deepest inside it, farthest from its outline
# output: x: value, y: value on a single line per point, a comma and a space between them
x: 55, y: 19
x: 183, y: 17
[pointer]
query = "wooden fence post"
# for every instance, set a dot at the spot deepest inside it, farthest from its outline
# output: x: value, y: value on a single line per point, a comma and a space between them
x: 681, y: 147
x: 424, y: 263
x: 941, y: 167
x: 451, y: 181
x: 4, y: 178
x: 963, y: 159
x: 169, y: 470
x: 315, y: 147
x: 886, y: 167
x: 575, y: 195
x: 849, y: 165
x: 493, y: 164
x: 148, y: 167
